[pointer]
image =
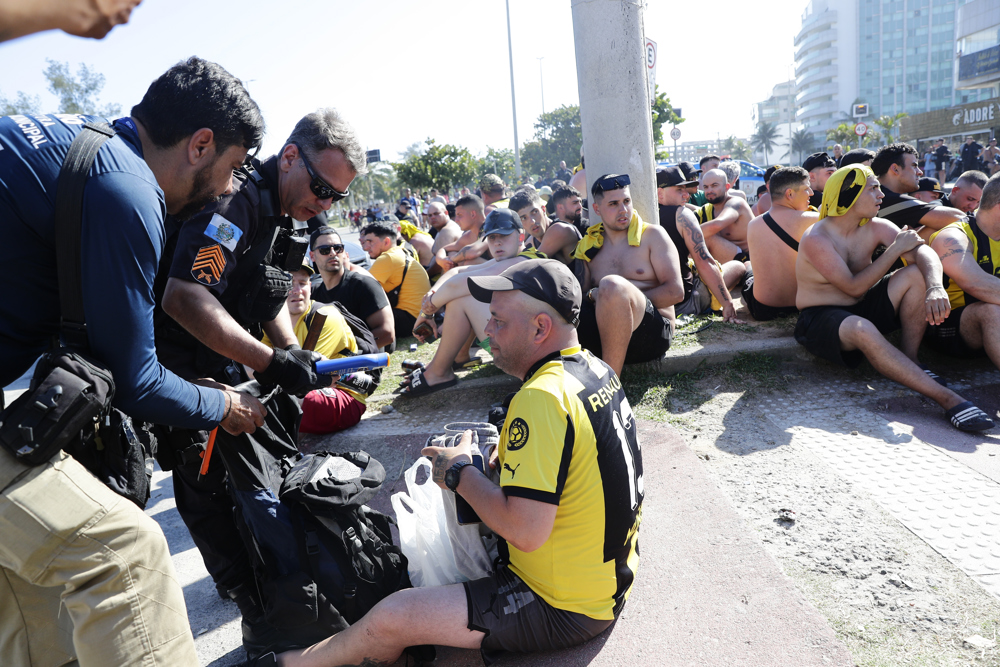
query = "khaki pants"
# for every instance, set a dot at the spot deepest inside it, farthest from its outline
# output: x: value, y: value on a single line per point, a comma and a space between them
x: 85, y: 575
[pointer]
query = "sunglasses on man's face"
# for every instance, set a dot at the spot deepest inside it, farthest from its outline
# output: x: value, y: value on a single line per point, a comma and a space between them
x: 319, y: 187
x: 612, y: 183
x: 325, y: 249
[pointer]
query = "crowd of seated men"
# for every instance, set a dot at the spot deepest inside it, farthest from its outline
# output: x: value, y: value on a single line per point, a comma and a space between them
x: 854, y: 252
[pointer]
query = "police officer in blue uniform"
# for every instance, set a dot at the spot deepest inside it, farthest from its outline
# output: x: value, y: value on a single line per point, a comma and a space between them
x: 223, y: 281
x: 89, y: 556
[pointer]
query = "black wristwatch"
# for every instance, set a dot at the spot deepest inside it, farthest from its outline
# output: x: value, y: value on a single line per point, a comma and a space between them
x: 454, y: 474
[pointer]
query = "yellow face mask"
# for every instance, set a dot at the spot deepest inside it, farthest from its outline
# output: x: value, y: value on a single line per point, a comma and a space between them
x: 838, y: 201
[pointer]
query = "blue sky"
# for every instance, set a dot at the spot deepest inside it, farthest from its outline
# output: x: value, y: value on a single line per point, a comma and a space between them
x: 402, y: 71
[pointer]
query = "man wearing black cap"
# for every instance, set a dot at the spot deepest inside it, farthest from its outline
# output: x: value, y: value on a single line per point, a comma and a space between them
x: 548, y: 513
x: 404, y: 211
x: 682, y: 228
x: 820, y: 167
x: 631, y: 279
x: 692, y: 173
x: 857, y: 156
x: 929, y: 191
x: 464, y: 315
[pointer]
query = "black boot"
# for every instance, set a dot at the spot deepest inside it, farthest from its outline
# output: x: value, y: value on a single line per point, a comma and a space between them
x: 258, y: 634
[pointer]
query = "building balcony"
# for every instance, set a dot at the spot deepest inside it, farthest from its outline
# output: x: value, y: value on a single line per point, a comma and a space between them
x: 828, y: 35
x: 816, y: 74
x: 814, y: 22
x: 802, y: 66
x: 814, y: 111
x: 810, y: 93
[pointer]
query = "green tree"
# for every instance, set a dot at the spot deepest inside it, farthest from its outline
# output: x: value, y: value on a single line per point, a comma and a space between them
x: 22, y: 104
x: 380, y: 183
x: 766, y: 138
x: 741, y: 151
x: 78, y: 94
x: 888, y: 124
x: 558, y: 136
x: 499, y: 162
x: 802, y: 143
x: 440, y: 166
x: 663, y: 112
x: 843, y: 134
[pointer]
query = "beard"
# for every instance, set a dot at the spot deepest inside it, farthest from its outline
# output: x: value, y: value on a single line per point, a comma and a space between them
x: 712, y: 199
x: 201, y: 194
x: 574, y: 217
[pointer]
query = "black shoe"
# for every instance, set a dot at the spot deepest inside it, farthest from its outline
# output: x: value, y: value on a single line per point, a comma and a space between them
x: 266, y: 660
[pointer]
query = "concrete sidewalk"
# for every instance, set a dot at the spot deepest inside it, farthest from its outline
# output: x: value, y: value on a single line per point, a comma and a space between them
x: 707, y: 593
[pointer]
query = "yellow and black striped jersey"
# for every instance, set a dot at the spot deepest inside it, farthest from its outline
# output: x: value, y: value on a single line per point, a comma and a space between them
x: 984, y: 249
x: 569, y: 439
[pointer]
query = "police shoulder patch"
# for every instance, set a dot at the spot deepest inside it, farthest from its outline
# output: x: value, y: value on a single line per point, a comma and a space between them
x: 517, y: 434
x: 208, y: 265
x: 223, y: 231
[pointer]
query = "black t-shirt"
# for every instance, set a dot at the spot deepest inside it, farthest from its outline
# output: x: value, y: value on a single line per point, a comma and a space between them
x: 362, y: 295
x: 668, y: 220
x: 816, y: 199
x: 902, y: 209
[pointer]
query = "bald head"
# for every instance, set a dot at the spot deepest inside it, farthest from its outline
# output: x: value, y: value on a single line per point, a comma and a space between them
x: 714, y: 176
x: 437, y: 214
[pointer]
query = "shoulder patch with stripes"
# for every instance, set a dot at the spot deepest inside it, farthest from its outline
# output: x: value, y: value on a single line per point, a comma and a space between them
x: 208, y: 265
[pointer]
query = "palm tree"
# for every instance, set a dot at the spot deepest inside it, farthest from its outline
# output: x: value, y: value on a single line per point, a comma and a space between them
x: 802, y: 143
x: 843, y: 134
x: 887, y: 123
x: 766, y: 138
x: 740, y: 151
x: 729, y: 144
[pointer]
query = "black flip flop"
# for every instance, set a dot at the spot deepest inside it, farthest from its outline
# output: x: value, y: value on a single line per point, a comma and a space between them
x: 419, y: 387
x: 967, y: 417
x: 932, y: 375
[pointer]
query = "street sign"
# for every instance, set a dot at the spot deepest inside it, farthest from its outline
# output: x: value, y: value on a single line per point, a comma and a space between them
x: 675, y: 134
x: 651, y: 68
x: 861, y: 129
x: 860, y: 110
x: 374, y: 155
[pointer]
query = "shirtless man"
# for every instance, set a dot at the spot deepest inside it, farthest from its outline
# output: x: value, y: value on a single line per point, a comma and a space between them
x: 897, y: 167
x: 966, y: 192
x: 447, y: 231
x: 556, y: 240
x: 630, y: 281
x: 463, y: 314
x: 724, y: 219
x: 820, y: 167
x: 682, y: 228
x: 769, y: 290
x: 763, y: 202
x: 970, y: 255
x: 848, y: 303
x: 990, y: 155
x: 732, y: 170
x: 466, y: 249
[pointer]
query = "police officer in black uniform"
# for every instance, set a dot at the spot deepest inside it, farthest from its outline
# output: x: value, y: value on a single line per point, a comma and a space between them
x: 222, y: 282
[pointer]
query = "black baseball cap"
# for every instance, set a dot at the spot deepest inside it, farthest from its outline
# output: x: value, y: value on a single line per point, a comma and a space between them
x: 690, y: 171
x: 547, y: 280
x: 856, y: 156
x: 928, y: 184
x: 502, y: 221
x: 404, y: 200
x: 818, y: 160
x: 670, y: 176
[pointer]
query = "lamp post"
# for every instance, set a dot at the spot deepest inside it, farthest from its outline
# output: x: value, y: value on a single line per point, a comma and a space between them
x: 513, y: 102
x: 541, y: 80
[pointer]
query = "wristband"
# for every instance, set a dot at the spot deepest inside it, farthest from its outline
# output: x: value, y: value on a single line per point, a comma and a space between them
x: 590, y: 294
x: 229, y: 408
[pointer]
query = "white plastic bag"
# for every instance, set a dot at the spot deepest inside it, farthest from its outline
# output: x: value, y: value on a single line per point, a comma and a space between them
x: 439, y: 551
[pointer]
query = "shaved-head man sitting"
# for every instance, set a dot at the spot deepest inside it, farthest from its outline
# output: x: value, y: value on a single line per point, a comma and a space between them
x: 966, y: 192
x: 724, y: 219
x: 848, y: 303
x: 769, y: 289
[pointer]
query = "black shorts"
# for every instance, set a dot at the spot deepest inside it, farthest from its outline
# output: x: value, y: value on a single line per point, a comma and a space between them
x: 403, y: 323
x: 818, y: 328
x: 649, y: 340
x: 946, y: 338
x: 517, y: 620
x: 761, y: 311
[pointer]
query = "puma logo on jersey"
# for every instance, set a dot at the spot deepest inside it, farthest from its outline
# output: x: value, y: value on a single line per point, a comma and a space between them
x: 512, y: 470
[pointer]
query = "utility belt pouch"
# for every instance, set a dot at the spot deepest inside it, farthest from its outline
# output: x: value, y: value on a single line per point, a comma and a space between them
x: 69, y: 393
x: 264, y: 295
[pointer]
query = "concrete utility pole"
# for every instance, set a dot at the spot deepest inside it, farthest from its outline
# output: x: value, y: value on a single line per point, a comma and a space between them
x: 614, y: 96
x: 513, y: 103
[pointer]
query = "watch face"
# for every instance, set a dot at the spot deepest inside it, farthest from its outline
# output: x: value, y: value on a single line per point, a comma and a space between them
x: 451, y: 477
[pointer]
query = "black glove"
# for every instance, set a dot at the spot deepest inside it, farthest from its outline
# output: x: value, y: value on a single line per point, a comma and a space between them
x: 295, y: 372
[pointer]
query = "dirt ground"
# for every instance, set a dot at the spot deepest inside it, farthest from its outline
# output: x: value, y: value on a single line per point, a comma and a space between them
x: 889, y: 596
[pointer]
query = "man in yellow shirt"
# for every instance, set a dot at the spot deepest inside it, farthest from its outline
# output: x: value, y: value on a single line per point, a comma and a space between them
x: 334, y: 408
x: 568, y: 505
x: 402, y: 277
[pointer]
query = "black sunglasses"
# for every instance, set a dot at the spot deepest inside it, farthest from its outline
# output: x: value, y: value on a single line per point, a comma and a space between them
x: 612, y: 183
x: 325, y: 249
x: 319, y: 187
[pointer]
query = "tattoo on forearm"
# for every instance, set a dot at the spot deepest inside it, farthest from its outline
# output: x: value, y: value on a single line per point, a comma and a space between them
x: 703, y: 252
x: 440, y: 467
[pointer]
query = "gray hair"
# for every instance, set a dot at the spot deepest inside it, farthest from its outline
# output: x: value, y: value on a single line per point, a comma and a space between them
x: 732, y: 170
x: 970, y: 178
x: 324, y: 129
x: 991, y: 194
